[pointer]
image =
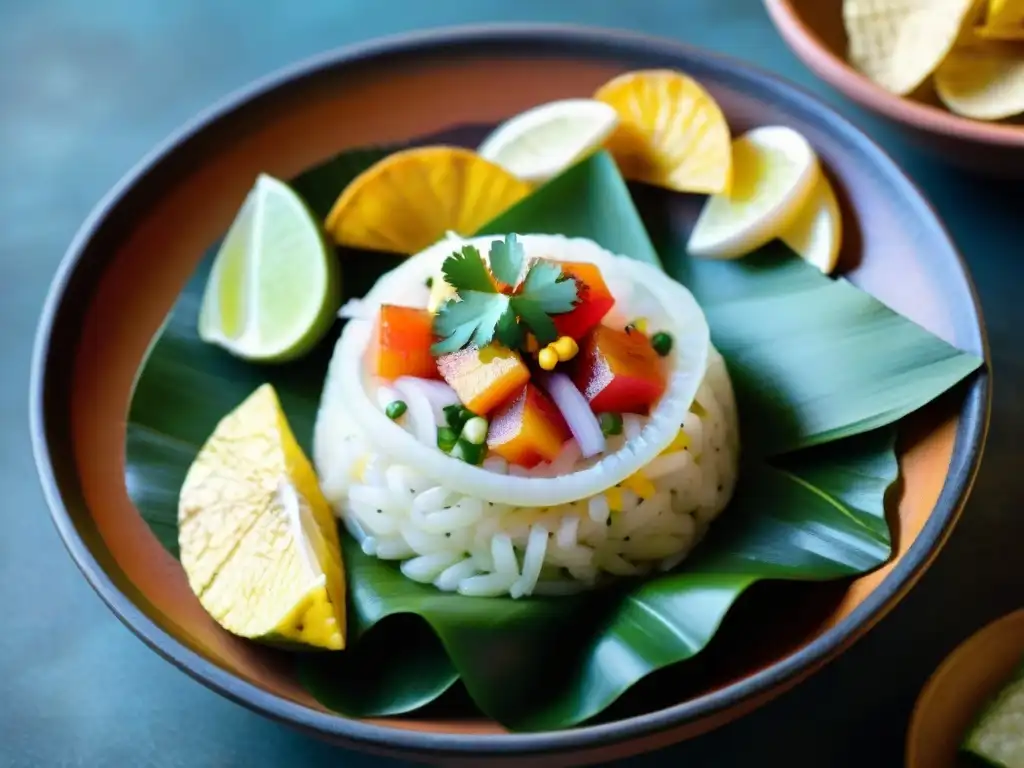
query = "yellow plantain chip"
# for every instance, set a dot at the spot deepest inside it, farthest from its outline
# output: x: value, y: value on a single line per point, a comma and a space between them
x: 983, y: 80
x: 1004, y: 20
x: 899, y: 43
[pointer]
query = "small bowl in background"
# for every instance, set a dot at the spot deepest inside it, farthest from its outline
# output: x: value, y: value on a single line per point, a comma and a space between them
x: 813, y: 29
x: 958, y: 690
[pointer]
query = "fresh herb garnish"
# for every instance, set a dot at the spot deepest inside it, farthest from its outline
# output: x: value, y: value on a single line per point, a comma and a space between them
x: 481, y: 312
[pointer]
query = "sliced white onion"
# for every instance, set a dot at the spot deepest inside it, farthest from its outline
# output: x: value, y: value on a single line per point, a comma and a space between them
x: 421, y: 412
x: 679, y: 314
x: 576, y: 411
x: 355, y: 309
x: 437, y: 393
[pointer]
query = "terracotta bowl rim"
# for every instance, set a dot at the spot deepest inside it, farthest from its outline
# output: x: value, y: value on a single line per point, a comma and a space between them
x: 56, y: 468
x: 833, y: 69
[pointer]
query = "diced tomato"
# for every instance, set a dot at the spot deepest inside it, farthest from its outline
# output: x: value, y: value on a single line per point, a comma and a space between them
x: 528, y: 429
x: 484, y: 378
x: 401, y: 343
x: 594, y: 300
x: 619, y: 371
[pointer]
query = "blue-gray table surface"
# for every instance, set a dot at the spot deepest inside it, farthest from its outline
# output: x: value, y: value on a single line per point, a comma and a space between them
x: 86, y: 88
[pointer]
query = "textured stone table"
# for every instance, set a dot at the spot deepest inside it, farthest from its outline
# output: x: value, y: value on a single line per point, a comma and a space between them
x: 86, y: 88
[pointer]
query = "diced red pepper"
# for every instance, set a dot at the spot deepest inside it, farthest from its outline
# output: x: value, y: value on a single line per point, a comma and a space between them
x: 619, y: 371
x: 484, y: 378
x: 595, y: 300
x: 528, y: 429
x: 401, y: 343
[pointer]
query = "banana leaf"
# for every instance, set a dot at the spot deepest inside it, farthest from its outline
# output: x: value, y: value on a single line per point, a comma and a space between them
x: 822, y: 371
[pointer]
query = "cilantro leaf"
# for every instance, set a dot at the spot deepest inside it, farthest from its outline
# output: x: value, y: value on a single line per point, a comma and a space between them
x: 507, y: 259
x: 466, y: 271
x: 548, y: 288
x: 508, y: 331
x: 535, y: 318
x: 471, y: 320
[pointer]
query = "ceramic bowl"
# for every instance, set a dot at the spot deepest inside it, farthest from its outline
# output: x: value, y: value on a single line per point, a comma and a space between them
x: 958, y: 690
x: 814, y: 30
x: 132, y: 257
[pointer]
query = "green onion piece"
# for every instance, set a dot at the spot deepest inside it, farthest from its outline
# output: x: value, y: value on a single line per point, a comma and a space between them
x: 456, y: 416
x: 475, y: 430
x: 611, y: 424
x: 446, y: 439
x: 662, y: 343
x: 395, y: 409
x: 430, y: 282
x: 470, y: 453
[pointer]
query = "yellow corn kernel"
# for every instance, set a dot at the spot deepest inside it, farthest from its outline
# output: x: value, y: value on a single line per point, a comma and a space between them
x: 614, y: 496
x: 640, y: 324
x: 679, y: 443
x: 548, y: 358
x: 640, y: 484
x: 566, y: 348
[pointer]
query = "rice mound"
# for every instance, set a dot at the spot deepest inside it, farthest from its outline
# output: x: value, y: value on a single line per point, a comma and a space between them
x: 641, y: 505
x: 480, y: 548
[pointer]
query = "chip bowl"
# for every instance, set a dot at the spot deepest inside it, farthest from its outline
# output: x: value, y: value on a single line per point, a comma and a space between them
x: 813, y: 29
x: 132, y: 257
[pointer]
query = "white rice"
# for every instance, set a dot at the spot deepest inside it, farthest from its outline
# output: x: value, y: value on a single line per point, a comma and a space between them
x: 463, y: 544
x: 440, y: 524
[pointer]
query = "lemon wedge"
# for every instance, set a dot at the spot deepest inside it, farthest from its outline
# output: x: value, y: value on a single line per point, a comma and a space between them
x: 774, y: 171
x: 817, y: 232
x: 541, y: 142
x: 274, y: 285
x: 258, y: 542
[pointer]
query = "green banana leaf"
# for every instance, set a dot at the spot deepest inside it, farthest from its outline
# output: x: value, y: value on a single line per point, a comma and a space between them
x: 788, y: 335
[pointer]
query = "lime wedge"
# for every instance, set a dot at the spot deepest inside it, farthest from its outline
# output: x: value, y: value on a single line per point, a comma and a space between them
x: 258, y: 541
x: 274, y: 286
x: 774, y: 173
x: 541, y: 142
x: 817, y: 231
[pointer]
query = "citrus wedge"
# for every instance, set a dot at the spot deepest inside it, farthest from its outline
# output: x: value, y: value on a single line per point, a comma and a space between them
x: 671, y: 131
x: 817, y: 231
x: 408, y: 200
x: 258, y: 542
x: 983, y: 80
x: 774, y: 173
x: 274, y: 286
x: 540, y: 143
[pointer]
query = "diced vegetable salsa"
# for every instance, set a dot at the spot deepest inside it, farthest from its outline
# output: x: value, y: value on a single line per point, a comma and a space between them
x: 595, y: 300
x: 619, y: 371
x: 528, y: 429
x: 401, y: 343
x: 484, y: 378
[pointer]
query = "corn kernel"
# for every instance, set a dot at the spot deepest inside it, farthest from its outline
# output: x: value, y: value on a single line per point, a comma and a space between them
x: 640, y: 484
x: 548, y: 358
x: 679, y: 443
x: 614, y: 496
x: 566, y: 348
x: 640, y: 324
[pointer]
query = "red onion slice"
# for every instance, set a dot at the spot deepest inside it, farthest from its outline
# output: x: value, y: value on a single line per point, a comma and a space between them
x: 576, y: 411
